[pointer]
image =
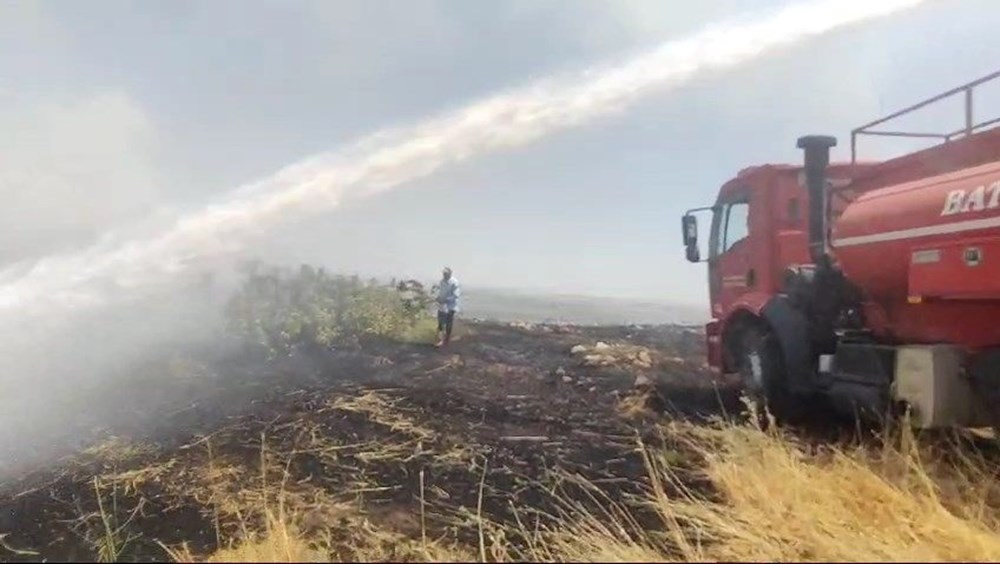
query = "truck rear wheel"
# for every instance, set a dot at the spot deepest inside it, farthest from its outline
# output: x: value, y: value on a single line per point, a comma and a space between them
x: 763, y: 372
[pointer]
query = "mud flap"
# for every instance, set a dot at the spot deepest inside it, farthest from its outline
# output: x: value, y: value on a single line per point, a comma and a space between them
x: 792, y: 330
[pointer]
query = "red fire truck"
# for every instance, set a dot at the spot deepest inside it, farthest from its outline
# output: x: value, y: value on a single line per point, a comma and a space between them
x: 873, y: 285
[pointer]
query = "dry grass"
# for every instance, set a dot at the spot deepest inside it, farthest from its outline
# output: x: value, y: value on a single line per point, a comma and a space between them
x: 779, y: 502
x: 637, y: 406
x: 115, y: 451
x: 356, y: 540
x: 843, y: 505
x: 279, y: 526
x: 775, y: 499
x: 384, y: 411
x: 768, y: 497
x: 263, y: 515
x: 424, y: 332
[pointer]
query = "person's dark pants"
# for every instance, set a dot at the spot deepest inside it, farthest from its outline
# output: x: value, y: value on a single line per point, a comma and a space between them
x: 445, y: 321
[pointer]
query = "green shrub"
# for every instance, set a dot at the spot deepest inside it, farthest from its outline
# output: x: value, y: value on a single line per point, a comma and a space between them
x: 280, y: 310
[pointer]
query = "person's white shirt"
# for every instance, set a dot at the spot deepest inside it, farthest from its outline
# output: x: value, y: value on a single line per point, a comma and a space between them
x: 449, y: 293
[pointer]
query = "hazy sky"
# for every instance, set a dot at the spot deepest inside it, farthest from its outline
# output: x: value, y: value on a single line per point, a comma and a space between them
x: 112, y: 112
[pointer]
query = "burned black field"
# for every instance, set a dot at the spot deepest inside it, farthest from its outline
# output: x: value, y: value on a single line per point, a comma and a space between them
x: 414, y: 440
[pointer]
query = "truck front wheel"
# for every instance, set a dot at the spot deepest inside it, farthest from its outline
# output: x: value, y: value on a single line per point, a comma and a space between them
x: 763, y: 372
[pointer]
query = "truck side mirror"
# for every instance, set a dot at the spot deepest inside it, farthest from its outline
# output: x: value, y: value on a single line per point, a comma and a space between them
x: 692, y: 254
x: 689, y: 225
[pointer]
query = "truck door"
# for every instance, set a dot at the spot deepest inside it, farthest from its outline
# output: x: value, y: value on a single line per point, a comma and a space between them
x: 729, y: 266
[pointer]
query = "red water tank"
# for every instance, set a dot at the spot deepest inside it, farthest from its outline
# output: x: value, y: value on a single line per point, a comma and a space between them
x: 928, y: 252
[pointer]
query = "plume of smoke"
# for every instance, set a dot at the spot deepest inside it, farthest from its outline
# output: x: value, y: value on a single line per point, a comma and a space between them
x: 390, y: 158
x: 68, y: 319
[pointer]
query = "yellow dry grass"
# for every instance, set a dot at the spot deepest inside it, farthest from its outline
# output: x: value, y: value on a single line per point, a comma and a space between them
x: 850, y: 505
x: 382, y: 410
x: 778, y: 502
x: 115, y: 451
x: 424, y: 332
x: 307, y: 536
x: 636, y: 406
x: 775, y: 500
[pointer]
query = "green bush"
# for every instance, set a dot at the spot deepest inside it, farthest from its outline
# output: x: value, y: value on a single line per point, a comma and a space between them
x: 280, y: 310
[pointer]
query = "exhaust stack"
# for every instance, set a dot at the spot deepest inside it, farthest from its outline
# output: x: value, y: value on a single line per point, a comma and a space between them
x: 817, y: 157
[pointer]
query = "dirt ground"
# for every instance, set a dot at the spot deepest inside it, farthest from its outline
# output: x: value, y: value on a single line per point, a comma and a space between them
x: 421, y: 440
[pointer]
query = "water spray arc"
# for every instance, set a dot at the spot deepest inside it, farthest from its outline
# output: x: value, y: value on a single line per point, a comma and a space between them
x: 392, y: 157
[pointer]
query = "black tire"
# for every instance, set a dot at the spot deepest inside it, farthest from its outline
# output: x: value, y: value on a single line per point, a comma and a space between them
x: 763, y: 372
x: 985, y: 375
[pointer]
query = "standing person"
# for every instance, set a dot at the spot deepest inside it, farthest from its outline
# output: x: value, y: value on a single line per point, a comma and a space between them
x: 447, y: 299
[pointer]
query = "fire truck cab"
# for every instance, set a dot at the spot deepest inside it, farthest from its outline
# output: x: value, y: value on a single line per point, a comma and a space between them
x: 875, y: 285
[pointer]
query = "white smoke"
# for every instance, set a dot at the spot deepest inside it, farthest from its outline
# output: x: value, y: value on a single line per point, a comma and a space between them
x: 390, y: 158
x: 70, y: 322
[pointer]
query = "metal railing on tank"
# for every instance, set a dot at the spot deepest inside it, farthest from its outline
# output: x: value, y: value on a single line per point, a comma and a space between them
x: 970, y: 125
